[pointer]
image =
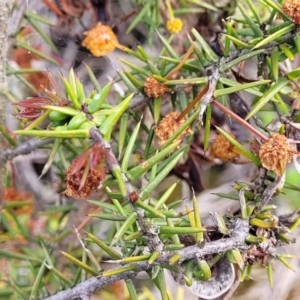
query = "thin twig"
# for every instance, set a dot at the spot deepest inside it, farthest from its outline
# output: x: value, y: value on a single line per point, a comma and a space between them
x: 23, y: 149
x: 88, y: 287
x: 240, y: 120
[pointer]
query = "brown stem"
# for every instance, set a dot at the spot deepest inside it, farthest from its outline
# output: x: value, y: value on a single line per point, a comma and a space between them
x: 184, y: 59
x: 240, y: 120
x: 54, y: 8
x: 193, y: 103
x: 87, y: 220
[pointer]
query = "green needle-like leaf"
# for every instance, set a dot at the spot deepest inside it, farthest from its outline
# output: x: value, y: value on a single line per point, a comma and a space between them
x: 241, y: 58
x: 51, y: 157
x: 207, y: 126
x: 80, y: 133
x: 275, y: 62
x: 139, y: 17
x: 129, y: 148
x: 186, y: 81
x: 131, y: 290
x: 141, y: 169
x: 119, y: 271
x: 281, y: 82
x: 239, y: 87
x: 294, y: 74
x: 11, y: 254
x: 240, y: 147
x: 160, y: 282
x: 270, y: 274
x: 59, y: 275
x: 112, y: 253
x: 238, y: 42
x: 62, y: 109
x: 119, y: 234
x: 274, y: 36
x: 37, y: 52
x: 71, y: 90
x: 199, y: 236
x: 156, y: 213
x: 93, y: 78
x: 37, y: 283
x: 283, y: 260
x: 211, y: 55
x: 180, y: 230
x: 159, y: 178
x: 274, y: 5
x: 257, y: 32
x: 254, y: 11
x: 111, y: 120
x: 99, y: 98
x: 168, y: 47
x: 165, y: 196
x: 79, y: 263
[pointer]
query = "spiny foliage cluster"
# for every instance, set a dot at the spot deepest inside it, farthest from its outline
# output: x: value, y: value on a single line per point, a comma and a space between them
x: 113, y: 146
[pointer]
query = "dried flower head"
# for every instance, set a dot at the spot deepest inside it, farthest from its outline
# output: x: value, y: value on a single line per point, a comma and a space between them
x: 25, y: 60
x: 154, y: 88
x: 276, y: 153
x: 292, y: 9
x: 100, y: 40
x: 168, y: 125
x: 11, y: 195
x: 24, y: 57
x: 221, y: 148
x: 86, y: 173
x: 32, y: 108
x: 174, y: 25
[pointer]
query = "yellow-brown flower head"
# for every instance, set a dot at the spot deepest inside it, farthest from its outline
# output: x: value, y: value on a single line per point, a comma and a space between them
x: 100, y: 40
x: 292, y: 9
x: 174, y: 25
x: 86, y: 173
x: 276, y: 153
x: 154, y: 88
x: 168, y: 125
x: 221, y: 148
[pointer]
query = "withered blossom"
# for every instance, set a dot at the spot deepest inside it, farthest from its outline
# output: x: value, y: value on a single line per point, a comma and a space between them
x: 154, y: 88
x: 292, y: 9
x: 86, y: 172
x: 276, y: 153
x: 32, y: 108
x: 222, y: 148
x: 168, y: 126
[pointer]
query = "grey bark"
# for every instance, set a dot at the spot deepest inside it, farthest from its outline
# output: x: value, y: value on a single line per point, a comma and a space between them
x: 5, y: 10
x: 85, y: 289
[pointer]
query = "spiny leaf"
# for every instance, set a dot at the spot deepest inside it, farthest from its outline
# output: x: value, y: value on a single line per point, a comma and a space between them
x: 281, y: 82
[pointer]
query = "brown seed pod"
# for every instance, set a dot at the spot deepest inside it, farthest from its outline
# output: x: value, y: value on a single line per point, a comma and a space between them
x: 168, y: 125
x: 276, y: 153
x: 292, y: 9
x: 154, y: 88
x: 223, y: 149
x: 86, y: 173
x: 81, y: 190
